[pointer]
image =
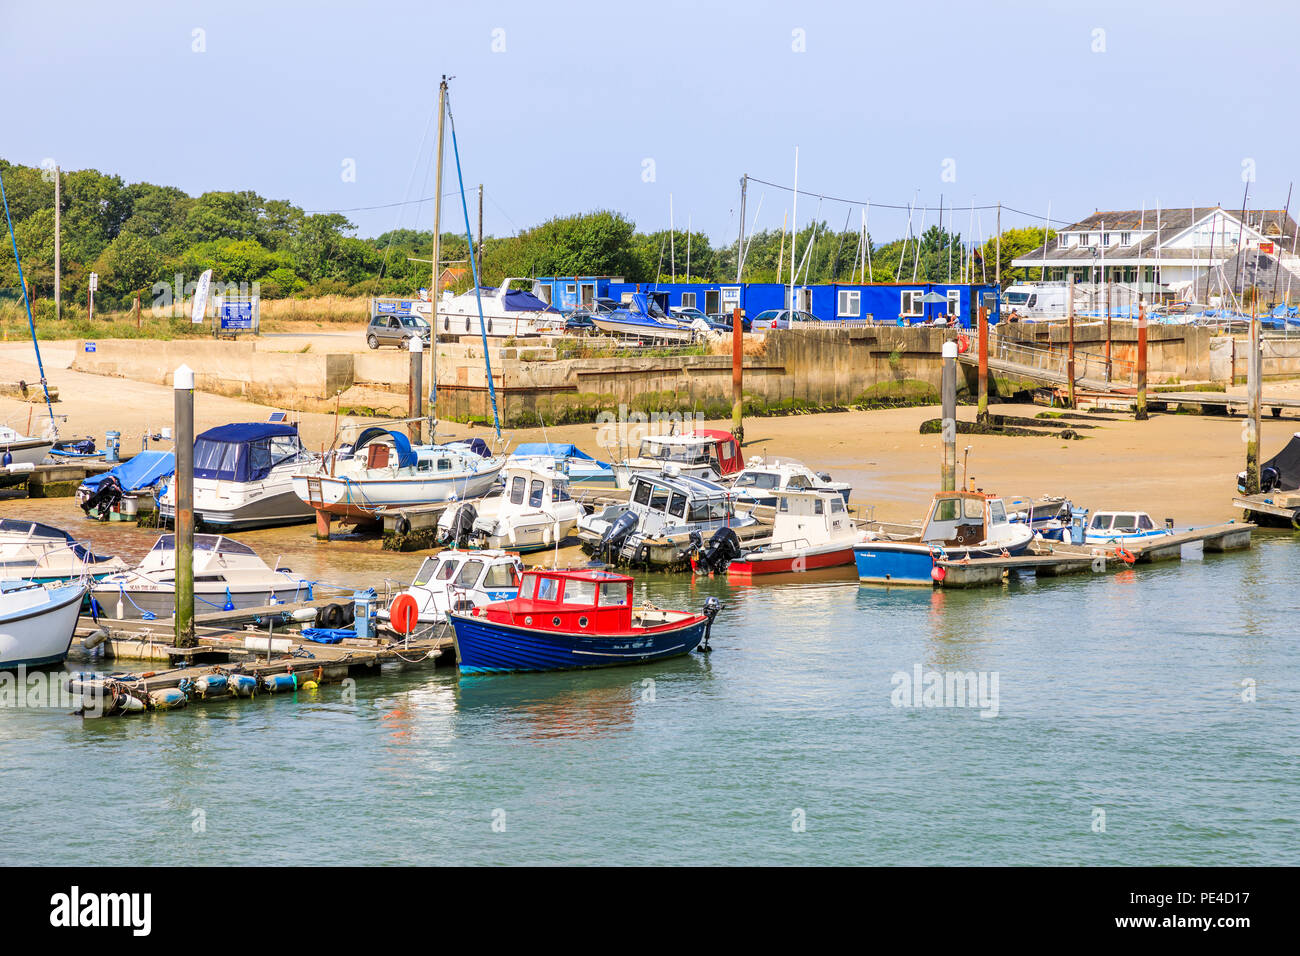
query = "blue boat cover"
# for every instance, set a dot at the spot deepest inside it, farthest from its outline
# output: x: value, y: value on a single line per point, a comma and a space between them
x: 143, y: 471
x: 405, y: 455
x: 543, y: 449
x: 476, y: 445
x: 240, y: 452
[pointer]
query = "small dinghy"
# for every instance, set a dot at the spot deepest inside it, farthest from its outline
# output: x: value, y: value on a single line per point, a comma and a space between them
x: 562, y: 620
x: 533, y: 511
x: 37, y: 622
x: 961, y: 525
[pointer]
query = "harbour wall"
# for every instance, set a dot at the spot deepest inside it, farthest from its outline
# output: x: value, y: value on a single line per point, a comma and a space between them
x: 784, y: 372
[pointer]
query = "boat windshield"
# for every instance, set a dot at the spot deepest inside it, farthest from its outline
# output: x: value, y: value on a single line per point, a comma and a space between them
x: 1015, y: 298
x: 425, y: 574
x: 997, y: 512
x: 1101, y: 522
x: 674, y: 451
x: 711, y: 509
x: 764, y: 480
x: 501, y: 575
x: 204, y: 542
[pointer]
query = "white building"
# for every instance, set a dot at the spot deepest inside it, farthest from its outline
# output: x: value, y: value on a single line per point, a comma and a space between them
x: 1159, y: 254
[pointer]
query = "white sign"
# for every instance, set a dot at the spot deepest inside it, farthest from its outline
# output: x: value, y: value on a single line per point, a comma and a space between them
x: 94, y: 282
x: 201, y: 297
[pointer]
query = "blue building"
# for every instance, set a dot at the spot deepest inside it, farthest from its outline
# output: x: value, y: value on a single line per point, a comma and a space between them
x: 886, y: 302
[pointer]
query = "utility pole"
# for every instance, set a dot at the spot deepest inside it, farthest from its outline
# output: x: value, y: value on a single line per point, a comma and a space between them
x: 437, y: 244
x: 58, y: 243
x: 1252, y: 407
x: 982, y: 412
x: 997, y: 266
x: 183, y: 390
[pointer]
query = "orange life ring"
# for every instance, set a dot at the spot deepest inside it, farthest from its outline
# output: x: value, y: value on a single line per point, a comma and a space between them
x: 963, y: 344
x: 1128, y: 557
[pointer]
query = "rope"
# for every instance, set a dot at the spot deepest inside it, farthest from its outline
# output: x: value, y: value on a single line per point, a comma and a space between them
x: 144, y: 615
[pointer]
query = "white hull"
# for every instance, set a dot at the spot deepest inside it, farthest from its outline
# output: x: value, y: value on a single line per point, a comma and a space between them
x: 365, y: 497
x: 38, y: 624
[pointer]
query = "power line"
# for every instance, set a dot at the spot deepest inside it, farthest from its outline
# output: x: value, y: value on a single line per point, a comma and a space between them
x: 388, y: 205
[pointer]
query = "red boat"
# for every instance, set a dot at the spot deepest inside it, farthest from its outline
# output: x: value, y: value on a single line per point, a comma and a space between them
x: 572, y: 619
x: 812, y: 530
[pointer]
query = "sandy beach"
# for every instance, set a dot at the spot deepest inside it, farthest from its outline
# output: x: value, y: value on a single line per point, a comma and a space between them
x: 1178, y: 466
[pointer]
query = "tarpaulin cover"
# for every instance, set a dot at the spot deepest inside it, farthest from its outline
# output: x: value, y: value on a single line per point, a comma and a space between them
x: 542, y: 449
x: 475, y: 445
x: 143, y: 471
x: 1287, y: 463
x: 243, y: 452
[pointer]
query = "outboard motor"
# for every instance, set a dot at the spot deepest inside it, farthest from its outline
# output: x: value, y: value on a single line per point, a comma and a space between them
x: 824, y: 475
x: 462, y: 523
x: 722, y: 549
x: 612, y: 540
x: 103, y: 500
x: 1269, y: 478
x: 711, y: 608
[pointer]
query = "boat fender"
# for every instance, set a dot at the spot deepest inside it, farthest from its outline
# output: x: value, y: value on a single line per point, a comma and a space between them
x: 711, y: 608
x: 963, y: 344
x: 242, y: 685
x: 304, y: 614
x: 310, y: 685
x: 402, y: 525
x: 173, y: 698
x: 94, y: 640
x: 8, y: 458
x: 211, y: 684
x: 938, y: 573
x: 281, y: 682
x: 1295, y: 519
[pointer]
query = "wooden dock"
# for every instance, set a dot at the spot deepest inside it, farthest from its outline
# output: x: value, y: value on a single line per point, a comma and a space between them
x: 1055, y: 559
x: 1276, y: 509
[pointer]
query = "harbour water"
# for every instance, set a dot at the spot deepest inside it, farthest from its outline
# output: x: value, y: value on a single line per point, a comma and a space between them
x: 1147, y: 717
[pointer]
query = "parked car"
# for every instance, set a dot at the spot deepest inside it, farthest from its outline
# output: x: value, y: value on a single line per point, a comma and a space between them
x: 721, y: 321
x: 580, y: 323
x: 780, y: 319
x: 397, y: 330
x: 688, y: 313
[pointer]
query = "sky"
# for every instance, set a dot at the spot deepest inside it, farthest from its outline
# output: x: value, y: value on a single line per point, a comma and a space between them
x: 567, y: 107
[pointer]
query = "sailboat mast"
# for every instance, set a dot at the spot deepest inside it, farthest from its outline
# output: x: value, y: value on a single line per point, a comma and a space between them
x: 437, y: 243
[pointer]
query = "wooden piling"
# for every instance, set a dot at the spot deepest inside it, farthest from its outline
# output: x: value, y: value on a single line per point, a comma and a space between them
x: 1141, y: 363
x: 183, y: 390
x: 1252, y: 409
x: 1069, y: 363
x: 948, y: 473
x: 982, y: 410
x: 415, y: 402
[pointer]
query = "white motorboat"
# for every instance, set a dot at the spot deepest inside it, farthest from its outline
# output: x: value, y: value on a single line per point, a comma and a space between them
x: 762, y: 479
x: 460, y: 580
x: 243, y: 477
x: 19, y: 449
x: 812, y: 530
x: 227, y: 575
x: 506, y: 312
x: 533, y: 511
x: 45, y: 554
x: 383, y: 470
x: 706, y: 453
x: 37, y: 622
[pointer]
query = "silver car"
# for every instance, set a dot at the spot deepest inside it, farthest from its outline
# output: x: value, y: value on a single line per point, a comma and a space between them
x: 396, y: 330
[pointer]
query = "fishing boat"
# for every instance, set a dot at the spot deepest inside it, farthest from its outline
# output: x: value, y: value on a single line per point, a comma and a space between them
x: 227, y: 575
x: 664, y: 521
x: 1119, y: 527
x: 37, y: 622
x: 960, y: 525
x: 19, y: 449
x: 455, y: 580
x: 243, y: 477
x: 383, y: 470
x: 506, y: 311
x: 578, y: 465
x: 761, y: 481
x: 562, y: 620
x: 812, y: 530
x: 705, y: 453
x: 533, y: 511
x: 1051, y: 518
x: 45, y: 554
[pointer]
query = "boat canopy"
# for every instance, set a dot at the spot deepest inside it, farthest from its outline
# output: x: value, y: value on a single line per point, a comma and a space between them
x: 1287, y: 464
x: 244, y: 452
x: 519, y: 300
x: 475, y: 445
x: 730, y: 458
x: 143, y: 471
x: 405, y: 454
x: 541, y: 449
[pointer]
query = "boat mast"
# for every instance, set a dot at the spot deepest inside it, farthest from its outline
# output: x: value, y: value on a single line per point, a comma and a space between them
x: 27, y: 301
x: 437, y: 242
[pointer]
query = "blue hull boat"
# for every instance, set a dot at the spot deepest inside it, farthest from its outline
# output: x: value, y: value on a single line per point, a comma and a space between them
x: 485, y: 647
x: 883, y: 562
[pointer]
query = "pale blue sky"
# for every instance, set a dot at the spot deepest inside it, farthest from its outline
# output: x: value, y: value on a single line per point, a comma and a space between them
x: 584, y: 92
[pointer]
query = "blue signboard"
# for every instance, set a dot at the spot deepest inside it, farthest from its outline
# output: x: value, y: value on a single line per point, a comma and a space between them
x: 393, y: 307
x: 236, y: 316
x: 90, y: 346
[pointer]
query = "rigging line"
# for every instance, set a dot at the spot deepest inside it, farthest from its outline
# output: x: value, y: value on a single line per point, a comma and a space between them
x: 473, y: 261
x: 31, y: 323
x: 410, y: 181
x: 387, y: 205
x: 903, y: 206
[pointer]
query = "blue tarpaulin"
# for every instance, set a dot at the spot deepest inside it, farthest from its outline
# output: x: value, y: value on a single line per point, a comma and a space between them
x: 402, y: 444
x: 143, y: 471
x: 245, y: 451
x: 541, y: 449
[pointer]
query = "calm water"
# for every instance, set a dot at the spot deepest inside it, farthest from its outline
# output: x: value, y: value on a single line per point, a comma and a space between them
x: 1121, y: 693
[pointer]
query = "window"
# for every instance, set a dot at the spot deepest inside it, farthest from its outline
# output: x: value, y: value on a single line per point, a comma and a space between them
x: 1084, y: 239
x: 973, y: 509
x: 954, y: 302
x: 659, y: 499
x: 548, y: 589
x: 570, y: 287
x: 798, y: 483
x: 947, y: 509
x: 678, y: 506
x: 578, y: 591
x: 997, y: 512
x: 1063, y: 240
x: 758, y: 479
x: 642, y: 494
x: 614, y: 594
x: 1145, y: 523
x: 517, y: 490
x: 468, y: 576
x: 688, y: 300
x: 535, y: 493
x: 444, y: 464
x: 911, y: 303
x: 426, y: 571
x: 1100, y: 522
x: 500, y: 576
x: 447, y: 570
x: 850, y: 303
x: 818, y: 508
x: 1105, y: 238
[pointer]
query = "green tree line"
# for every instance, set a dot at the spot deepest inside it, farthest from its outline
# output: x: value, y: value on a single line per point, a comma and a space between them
x: 136, y: 235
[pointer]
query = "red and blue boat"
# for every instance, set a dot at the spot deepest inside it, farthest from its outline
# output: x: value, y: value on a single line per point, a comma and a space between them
x: 569, y: 619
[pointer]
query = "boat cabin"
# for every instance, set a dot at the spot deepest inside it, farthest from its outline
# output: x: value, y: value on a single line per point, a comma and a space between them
x: 695, y: 451
x: 811, y: 517
x: 534, y: 484
x: 663, y: 501
x: 963, y: 518
x: 726, y: 450
x: 494, y: 573
x: 577, y: 600
x: 1110, y: 524
x: 246, y: 452
x: 213, y: 553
